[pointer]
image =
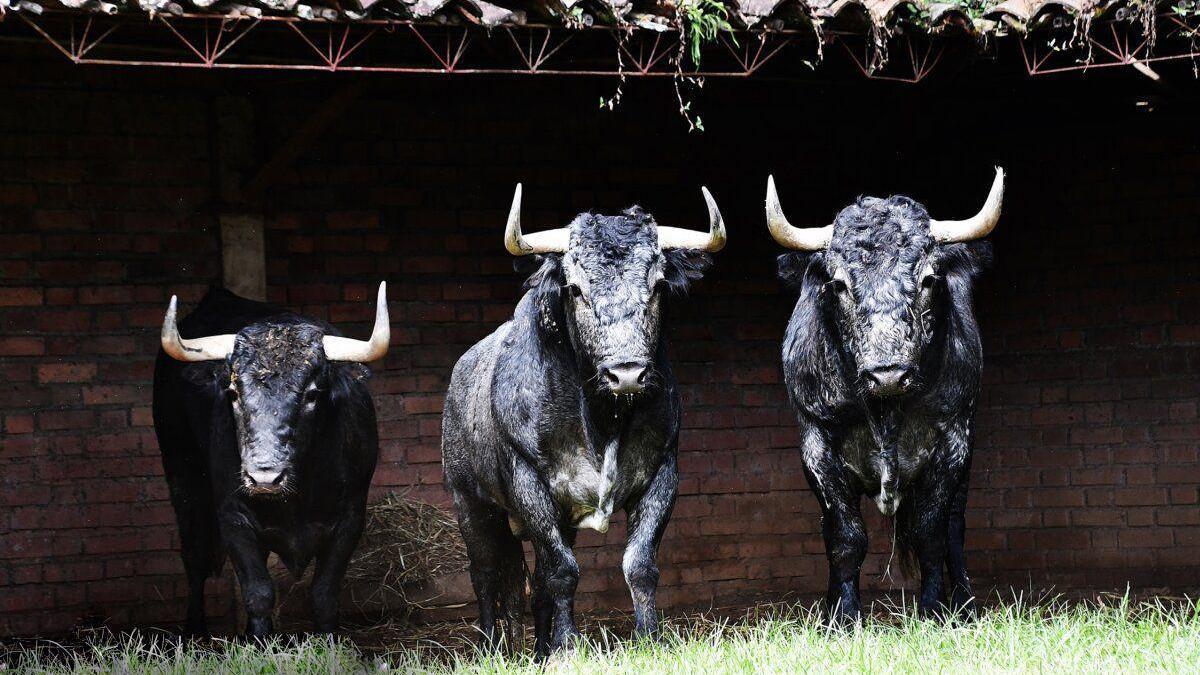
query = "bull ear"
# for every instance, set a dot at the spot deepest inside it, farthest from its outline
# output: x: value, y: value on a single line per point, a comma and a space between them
x: 342, y: 378
x: 206, y: 373
x: 357, y: 371
x: 969, y: 258
x: 795, y: 267
x: 542, y: 270
x: 682, y: 266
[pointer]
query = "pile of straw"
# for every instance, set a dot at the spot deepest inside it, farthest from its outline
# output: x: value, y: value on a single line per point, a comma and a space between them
x: 405, y: 544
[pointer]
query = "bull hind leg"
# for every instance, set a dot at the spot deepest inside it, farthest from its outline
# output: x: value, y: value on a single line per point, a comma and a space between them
x: 512, y: 588
x: 481, y: 527
x: 195, y: 514
x: 202, y: 557
x: 962, y: 599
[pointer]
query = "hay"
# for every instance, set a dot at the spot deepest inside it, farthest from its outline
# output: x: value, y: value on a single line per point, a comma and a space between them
x: 406, y: 543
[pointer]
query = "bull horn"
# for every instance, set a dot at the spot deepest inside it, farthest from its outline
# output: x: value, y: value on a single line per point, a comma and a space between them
x: 979, y: 225
x: 798, y: 238
x: 364, y: 351
x: 550, y: 241
x: 211, y: 348
x: 711, y: 241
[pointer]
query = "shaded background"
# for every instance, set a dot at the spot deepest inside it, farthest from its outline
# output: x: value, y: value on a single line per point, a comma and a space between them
x: 1085, y: 475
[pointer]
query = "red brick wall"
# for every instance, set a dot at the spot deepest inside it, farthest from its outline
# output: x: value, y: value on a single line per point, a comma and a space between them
x: 1085, y: 474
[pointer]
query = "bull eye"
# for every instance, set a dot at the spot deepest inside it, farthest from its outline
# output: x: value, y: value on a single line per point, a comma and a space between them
x: 232, y: 393
x: 929, y: 280
x: 837, y: 286
x: 311, y: 396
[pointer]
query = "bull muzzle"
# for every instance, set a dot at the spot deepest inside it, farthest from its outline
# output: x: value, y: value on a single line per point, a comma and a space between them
x: 266, y: 480
x: 888, y: 380
x: 628, y: 377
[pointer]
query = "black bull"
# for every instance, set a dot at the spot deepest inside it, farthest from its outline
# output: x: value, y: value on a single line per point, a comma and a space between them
x: 268, y: 443
x: 882, y: 361
x: 568, y: 412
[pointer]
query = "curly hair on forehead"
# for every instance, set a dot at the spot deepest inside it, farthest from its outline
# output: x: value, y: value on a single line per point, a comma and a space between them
x: 613, y: 237
x: 273, y: 350
x: 895, y: 224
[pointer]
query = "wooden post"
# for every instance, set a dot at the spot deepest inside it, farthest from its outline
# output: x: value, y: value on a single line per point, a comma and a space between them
x: 244, y: 254
x: 242, y: 247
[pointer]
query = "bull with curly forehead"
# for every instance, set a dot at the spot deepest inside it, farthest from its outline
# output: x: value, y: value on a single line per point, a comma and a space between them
x: 882, y: 361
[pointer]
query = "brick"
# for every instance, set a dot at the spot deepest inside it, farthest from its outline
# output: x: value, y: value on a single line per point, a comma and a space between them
x: 11, y: 296
x: 22, y: 346
x: 65, y: 372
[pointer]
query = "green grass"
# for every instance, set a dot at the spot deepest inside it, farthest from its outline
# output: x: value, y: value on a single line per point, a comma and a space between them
x: 1014, y: 637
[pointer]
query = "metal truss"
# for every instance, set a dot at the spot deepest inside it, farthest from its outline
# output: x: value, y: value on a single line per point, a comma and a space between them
x: 910, y: 58
x: 1115, y: 44
x: 387, y: 46
x: 394, y: 46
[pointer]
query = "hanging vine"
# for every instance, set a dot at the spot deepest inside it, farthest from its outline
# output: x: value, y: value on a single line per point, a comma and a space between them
x: 699, y: 22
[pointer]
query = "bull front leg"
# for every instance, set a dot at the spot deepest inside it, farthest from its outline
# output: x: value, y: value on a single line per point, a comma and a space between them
x: 556, y: 573
x: 647, y: 521
x: 938, y: 528
x: 842, y: 526
x: 249, y: 559
x: 331, y: 569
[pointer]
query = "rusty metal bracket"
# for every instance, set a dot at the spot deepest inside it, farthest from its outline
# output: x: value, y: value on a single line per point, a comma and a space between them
x: 1116, y: 45
x: 921, y: 62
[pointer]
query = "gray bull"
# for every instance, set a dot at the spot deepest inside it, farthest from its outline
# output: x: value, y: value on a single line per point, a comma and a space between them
x: 568, y: 412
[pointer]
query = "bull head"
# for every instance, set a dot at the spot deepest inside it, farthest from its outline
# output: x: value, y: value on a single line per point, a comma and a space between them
x: 282, y: 378
x: 883, y: 264
x: 218, y: 347
x: 614, y: 271
x: 944, y: 231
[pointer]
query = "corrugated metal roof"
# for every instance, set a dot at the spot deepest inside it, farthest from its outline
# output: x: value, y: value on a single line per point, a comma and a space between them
x: 971, y: 16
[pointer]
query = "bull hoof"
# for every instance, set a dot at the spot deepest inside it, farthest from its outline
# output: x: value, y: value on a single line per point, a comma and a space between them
x: 964, y: 609
x: 651, y: 632
x: 569, y: 641
x: 839, y: 617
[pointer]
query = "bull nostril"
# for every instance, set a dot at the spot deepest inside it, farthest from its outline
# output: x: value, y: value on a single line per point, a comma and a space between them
x: 265, y: 477
x: 889, y: 378
x: 626, y: 378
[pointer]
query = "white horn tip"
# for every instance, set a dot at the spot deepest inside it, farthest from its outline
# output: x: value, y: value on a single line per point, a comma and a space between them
x: 169, y: 319
x: 716, y: 222
x: 514, y: 241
